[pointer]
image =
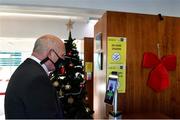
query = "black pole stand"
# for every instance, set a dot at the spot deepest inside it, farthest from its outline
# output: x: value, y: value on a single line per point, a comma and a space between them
x: 115, y: 115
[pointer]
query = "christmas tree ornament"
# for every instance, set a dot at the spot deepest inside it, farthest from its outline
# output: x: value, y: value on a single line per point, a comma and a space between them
x: 55, y: 83
x: 77, y: 74
x: 62, y: 77
x: 86, y: 98
x: 67, y: 87
x: 62, y: 70
x: 71, y: 65
x: 82, y: 84
x: 69, y: 53
x: 52, y: 76
x: 74, y: 45
x: 82, y: 75
x: 60, y: 93
x: 88, y: 109
x: 70, y: 100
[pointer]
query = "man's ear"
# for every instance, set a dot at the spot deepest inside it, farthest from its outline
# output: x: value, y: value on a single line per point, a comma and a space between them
x: 49, y: 53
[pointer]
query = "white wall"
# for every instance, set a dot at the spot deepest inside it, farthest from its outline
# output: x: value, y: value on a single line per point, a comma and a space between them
x: 32, y: 28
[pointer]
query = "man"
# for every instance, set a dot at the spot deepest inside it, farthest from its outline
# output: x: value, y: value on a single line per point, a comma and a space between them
x: 30, y: 93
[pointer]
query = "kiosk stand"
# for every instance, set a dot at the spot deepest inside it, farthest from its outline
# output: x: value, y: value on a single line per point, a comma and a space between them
x: 115, y: 114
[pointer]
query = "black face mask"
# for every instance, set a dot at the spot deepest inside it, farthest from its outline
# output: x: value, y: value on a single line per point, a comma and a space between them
x: 60, y: 62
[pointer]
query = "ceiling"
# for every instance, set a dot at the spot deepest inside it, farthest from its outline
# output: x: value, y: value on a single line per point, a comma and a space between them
x: 57, y: 12
x: 85, y: 9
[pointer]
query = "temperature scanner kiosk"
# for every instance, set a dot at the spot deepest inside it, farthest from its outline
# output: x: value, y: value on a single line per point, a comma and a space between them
x: 111, y: 95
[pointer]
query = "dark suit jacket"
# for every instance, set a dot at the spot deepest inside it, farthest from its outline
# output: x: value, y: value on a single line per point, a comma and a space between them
x: 30, y: 93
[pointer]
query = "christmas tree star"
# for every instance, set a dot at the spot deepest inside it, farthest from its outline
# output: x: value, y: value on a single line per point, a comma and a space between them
x: 69, y: 25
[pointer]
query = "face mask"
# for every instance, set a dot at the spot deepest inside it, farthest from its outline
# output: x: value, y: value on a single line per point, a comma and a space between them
x: 60, y: 62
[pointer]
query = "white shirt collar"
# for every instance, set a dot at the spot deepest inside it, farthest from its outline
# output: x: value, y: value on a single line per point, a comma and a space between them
x: 38, y: 61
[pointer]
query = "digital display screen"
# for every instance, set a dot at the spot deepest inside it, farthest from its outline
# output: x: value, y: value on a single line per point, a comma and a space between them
x: 111, y: 88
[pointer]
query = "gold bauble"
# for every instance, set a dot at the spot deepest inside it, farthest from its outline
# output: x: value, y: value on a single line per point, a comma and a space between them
x: 67, y: 87
x: 60, y: 93
x: 55, y: 83
x: 70, y: 100
x: 88, y: 109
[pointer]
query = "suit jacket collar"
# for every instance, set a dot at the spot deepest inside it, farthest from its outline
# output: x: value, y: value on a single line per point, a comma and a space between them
x: 38, y: 61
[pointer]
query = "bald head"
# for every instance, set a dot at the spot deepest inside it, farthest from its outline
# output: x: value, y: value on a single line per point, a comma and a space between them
x: 51, y: 47
x: 47, y: 42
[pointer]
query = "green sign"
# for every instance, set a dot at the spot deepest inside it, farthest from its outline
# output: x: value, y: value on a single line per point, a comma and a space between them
x: 10, y: 58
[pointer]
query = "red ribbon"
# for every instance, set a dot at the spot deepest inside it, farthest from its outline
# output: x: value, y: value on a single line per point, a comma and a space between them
x: 158, y: 77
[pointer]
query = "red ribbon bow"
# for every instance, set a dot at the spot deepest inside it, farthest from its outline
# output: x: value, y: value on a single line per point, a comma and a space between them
x: 159, y: 77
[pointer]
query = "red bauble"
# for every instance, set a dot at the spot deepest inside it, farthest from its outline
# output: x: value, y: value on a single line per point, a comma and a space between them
x: 69, y: 53
x: 62, y: 70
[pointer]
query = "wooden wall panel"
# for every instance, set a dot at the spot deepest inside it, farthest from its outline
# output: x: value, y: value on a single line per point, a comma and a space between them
x: 172, y: 43
x: 100, y: 75
x: 143, y: 32
x: 88, y: 57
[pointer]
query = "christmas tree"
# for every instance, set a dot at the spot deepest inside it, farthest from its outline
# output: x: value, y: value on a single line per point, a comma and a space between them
x: 70, y: 83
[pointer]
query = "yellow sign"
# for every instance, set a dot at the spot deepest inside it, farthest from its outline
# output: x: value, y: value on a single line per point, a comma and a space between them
x: 88, y: 66
x: 117, y: 60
